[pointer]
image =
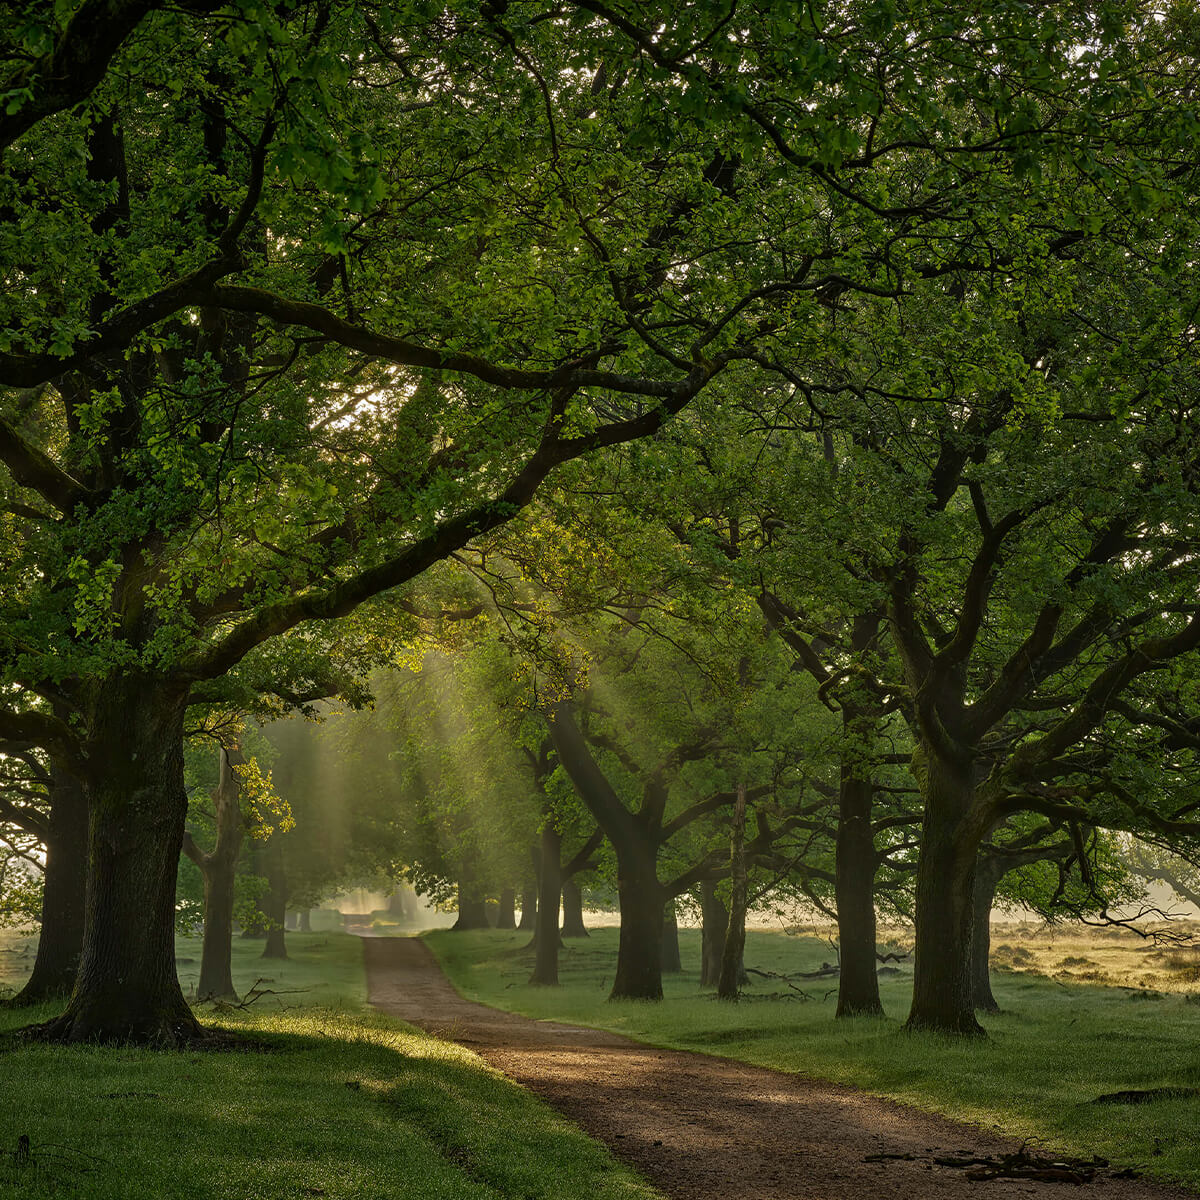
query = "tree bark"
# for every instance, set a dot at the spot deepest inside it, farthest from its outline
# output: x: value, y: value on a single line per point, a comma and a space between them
x: 945, y: 904
x: 989, y: 870
x: 714, y: 924
x: 546, y: 938
x: 506, y: 914
x: 305, y: 922
x: 858, y: 983
x: 735, y: 937
x: 672, y: 964
x: 639, y: 953
x: 63, y: 901
x: 218, y: 869
x: 126, y: 989
x: 275, y: 902
x: 472, y: 907
x: 572, y: 910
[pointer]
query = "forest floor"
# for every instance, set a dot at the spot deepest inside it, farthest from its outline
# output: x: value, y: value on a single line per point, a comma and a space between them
x: 698, y: 1126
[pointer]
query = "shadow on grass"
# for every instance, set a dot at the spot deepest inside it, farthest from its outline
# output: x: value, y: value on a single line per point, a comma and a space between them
x: 340, y: 1106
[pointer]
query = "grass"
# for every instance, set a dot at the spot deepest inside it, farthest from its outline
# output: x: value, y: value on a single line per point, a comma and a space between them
x: 1057, y: 1045
x: 338, y: 1102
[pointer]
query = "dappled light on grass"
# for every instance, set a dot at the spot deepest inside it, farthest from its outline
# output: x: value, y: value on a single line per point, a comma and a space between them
x: 328, y: 1101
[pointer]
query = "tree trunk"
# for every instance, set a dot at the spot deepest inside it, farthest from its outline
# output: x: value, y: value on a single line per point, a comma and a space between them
x: 61, y: 937
x: 639, y: 952
x: 305, y: 920
x: 735, y: 938
x: 528, y: 906
x: 634, y: 842
x: 256, y: 921
x: 506, y: 914
x: 546, y: 938
x: 672, y: 964
x: 126, y: 989
x: 572, y: 910
x: 989, y: 870
x: 275, y: 902
x: 218, y: 869
x: 714, y: 923
x: 291, y: 922
x: 472, y: 907
x: 858, y: 983
x: 945, y: 905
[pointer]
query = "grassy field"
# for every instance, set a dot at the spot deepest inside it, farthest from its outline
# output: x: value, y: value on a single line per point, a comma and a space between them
x: 335, y: 1102
x: 1059, y: 1043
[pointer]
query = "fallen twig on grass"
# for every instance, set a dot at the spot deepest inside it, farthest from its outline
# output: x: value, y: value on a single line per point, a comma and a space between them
x: 254, y: 994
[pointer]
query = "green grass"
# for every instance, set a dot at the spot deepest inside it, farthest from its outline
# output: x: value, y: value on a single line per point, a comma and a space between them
x: 1055, y: 1047
x: 341, y: 1102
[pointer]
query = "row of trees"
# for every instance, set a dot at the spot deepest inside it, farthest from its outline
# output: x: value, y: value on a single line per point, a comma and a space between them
x: 304, y: 299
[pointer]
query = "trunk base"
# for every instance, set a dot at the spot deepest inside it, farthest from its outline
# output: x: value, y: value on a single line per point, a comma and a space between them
x: 165, y: 1031
x: 960, y: 1025
x: 862, y: 1008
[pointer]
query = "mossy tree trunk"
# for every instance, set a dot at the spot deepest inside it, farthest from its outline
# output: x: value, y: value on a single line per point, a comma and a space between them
x: 943, y: 999
x: 126, y: 989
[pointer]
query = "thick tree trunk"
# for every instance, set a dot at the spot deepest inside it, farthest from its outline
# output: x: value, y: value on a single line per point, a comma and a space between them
x: 546, y: 938
x: 305, y: 920
x: 274, y: 904
x: 945, y: 905
x: 528, y: 907
x: 735, y: 937
x: 858, y: 984
x: 672, y: 964
x: 572, y: 910
x: 506, y: 914
x: 639, y: 952
x: 714, y: 924
x: 61, y: 938
x: 126, y: 989
x: 989, y: 870
x: 472, y: 907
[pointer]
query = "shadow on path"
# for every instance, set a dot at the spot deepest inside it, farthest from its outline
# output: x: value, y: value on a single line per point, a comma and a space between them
x: 703, y: 1128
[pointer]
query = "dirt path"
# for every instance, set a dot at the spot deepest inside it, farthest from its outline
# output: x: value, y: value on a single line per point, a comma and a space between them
x: 701, y: 1127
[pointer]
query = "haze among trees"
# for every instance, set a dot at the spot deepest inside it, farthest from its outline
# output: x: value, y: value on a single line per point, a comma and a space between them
x: 713, y: 453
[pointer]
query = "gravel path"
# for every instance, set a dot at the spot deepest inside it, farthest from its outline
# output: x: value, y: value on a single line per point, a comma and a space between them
x: 699, y: 1127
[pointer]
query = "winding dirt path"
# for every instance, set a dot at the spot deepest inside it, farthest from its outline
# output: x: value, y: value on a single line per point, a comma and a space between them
x: 702, y: 1128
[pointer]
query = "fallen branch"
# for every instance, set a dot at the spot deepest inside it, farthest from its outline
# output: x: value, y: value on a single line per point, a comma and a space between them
x: 255, y: 993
